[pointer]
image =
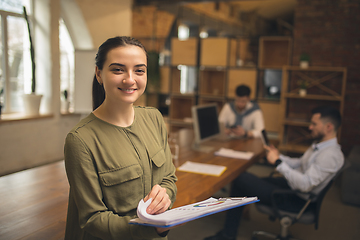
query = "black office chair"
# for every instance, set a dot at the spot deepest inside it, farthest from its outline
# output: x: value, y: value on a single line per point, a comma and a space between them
x: 309, y: 214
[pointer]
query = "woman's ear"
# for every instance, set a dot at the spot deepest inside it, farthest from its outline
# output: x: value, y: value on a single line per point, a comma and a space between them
x: 98, y: 75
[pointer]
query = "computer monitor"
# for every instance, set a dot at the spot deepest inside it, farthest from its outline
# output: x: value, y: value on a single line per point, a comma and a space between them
x: 206, y: 125
x: 272, y: 82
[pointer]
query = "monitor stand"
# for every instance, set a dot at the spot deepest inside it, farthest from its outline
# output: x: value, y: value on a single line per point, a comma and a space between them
x: 201, y: 148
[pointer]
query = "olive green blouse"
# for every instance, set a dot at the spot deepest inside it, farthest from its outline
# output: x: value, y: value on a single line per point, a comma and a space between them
x: 110, y: 169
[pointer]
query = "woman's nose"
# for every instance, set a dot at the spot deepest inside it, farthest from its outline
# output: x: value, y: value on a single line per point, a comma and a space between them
x: 129, y: 79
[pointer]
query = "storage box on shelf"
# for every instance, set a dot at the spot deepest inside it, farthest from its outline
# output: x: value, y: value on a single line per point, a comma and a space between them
x: 214, y: 52
x: 270, y: 110
x: 324, y: 86
x: 184, y: 52
x: 241, y: 76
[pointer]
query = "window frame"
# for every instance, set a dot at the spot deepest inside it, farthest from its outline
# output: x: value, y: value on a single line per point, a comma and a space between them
x: 6, y: 109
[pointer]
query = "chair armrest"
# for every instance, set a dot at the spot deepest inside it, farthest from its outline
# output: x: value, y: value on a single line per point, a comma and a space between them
x: 289, y: 192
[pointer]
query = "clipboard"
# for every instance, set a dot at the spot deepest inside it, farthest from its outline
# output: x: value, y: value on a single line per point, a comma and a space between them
x: 189, y: 212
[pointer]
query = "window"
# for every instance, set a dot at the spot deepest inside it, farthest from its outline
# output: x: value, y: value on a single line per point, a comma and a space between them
x: 66, y: 68
x: 15, y: 71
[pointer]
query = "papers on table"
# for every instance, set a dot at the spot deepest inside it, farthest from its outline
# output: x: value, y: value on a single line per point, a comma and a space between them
x: 202, y: 168
x: 189, y: 212
x: 226, y: 152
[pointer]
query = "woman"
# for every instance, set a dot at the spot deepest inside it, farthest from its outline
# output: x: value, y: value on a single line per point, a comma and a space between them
x: 119, y: 154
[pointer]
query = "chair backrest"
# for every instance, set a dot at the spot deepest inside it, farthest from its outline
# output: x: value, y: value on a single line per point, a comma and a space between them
x: 321, y: 195
x: 320, y: 198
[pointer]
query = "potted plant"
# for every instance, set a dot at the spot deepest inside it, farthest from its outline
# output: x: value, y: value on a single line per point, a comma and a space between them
x: 65, y: 102
x: 303, y: 84
x: 153, y: 72
x: 304, y: 60
x: 1, y: 93
x: 31, y: 101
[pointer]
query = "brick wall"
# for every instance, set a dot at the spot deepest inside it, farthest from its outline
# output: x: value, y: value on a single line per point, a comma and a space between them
x: 329, y: 30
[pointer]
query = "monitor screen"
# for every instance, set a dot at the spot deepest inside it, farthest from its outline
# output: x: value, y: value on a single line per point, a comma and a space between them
x: 272, y: 82
x: 205, y: 121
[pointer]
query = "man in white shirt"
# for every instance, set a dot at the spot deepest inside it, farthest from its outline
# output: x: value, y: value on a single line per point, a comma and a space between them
x: 309, y: 173
x: 242, y: 117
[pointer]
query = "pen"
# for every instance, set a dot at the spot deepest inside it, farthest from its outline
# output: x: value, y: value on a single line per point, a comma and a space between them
x: 232, y: 198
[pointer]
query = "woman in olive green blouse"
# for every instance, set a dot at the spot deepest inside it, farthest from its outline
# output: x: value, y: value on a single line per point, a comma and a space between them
x: 119, y: 154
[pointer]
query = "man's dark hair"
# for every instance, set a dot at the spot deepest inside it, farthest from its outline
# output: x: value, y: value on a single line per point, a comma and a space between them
x: 329, y: 114
x: 242, y: 91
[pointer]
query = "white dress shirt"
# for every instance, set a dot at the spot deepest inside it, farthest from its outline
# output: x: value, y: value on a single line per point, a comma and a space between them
x: 315, y: 168
x: 253, y: 122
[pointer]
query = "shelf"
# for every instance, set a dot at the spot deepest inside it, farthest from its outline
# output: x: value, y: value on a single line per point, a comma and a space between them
x: 325, y: 86
x: 314, y: 69
x: 314, y: 97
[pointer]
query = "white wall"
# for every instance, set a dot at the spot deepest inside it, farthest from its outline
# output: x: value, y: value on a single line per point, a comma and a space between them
x: 29, y: 143
x: 107, y: 19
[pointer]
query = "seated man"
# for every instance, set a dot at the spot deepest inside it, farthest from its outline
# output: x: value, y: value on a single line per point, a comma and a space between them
x: 309, y: 173
x: 242, y: 118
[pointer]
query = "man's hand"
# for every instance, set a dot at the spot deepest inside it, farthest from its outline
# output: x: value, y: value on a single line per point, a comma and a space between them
x: 272, y: 154
x: 238, y: 131
x: 160, y: 200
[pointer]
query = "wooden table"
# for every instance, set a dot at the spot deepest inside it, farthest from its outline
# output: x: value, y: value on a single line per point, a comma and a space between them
x: 196, y: 187
x: 33, y: 203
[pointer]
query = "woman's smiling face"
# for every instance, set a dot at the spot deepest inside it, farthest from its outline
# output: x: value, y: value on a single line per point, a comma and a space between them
x: 124, y: 74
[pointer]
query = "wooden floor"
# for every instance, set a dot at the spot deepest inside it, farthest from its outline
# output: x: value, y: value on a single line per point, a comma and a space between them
x: 33, y: 205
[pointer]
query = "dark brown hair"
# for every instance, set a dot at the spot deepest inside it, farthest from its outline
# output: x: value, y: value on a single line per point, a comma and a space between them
x: 98, y: 91
x: 330, y: 114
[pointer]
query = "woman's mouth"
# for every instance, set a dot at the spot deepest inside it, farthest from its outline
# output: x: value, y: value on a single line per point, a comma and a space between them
x: 127, y: 90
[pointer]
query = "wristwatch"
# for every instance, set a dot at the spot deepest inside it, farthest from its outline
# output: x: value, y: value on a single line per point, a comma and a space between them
x: 277, y: 162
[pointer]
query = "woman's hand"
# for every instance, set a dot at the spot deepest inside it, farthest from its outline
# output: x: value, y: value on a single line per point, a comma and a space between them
x: 160, y: 200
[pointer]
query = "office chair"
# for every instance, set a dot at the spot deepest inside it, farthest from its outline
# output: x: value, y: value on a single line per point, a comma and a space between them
x: 309, y: 214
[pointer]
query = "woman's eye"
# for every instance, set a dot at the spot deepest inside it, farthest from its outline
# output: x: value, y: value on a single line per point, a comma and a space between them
x: 140, y: 71
x: 117, y: 70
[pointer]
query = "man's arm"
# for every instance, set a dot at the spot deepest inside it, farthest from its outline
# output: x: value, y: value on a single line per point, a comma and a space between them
x: 258, y: 124
x: 325, y: 164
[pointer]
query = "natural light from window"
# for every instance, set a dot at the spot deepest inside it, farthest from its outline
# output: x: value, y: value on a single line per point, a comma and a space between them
x: 66, y: 67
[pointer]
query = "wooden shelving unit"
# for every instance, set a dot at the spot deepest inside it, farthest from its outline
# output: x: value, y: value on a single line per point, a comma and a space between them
x: 274, y: 52
x: 216, y: 78
x: 325, y: 86
x: 212, y: 82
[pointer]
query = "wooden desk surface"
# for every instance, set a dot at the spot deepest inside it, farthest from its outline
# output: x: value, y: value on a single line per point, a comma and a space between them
x: 196, y: 187
x: 33, y: 203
